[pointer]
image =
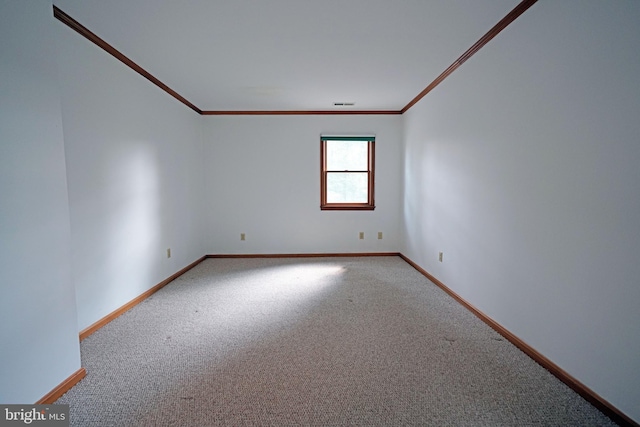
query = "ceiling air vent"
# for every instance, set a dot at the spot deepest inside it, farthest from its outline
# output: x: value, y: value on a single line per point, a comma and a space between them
x: 344, y: 104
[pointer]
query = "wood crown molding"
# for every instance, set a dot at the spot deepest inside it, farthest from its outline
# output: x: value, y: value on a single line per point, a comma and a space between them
x: 63, y: 387
x: 85, y: 32
x: 589, y: 395
x: 298, y: 112
x: 504, y: 22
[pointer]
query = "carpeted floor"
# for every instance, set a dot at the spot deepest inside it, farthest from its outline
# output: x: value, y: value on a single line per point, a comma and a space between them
x: 312, y: 341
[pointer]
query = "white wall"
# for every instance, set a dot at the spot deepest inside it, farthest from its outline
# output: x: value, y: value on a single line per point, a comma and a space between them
x: 263, y: 179
x: 38, y: 331
x: 134, y: 168
x: 523, y: 168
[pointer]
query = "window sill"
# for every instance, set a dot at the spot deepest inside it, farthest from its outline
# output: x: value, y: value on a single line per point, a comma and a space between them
x: 347, y: 207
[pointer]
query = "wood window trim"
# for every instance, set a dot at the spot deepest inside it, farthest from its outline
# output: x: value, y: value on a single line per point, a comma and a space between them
x: 370, y: 204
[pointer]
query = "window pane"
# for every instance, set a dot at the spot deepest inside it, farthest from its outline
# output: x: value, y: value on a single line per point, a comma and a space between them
x: 347, y: 155
x: 347, y: 187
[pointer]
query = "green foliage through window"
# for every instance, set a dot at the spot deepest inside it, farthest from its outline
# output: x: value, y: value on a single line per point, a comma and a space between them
x: 347, y: 172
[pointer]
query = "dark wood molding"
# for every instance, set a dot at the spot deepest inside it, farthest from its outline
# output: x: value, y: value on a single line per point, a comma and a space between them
x: 504, y: 22
x: 589, y: 395
x: 63, y: 387
x: 137, y: 300
x: 92, y: 37
x: 307, y: 255
x: 298, y: 112
x: 85, y: 32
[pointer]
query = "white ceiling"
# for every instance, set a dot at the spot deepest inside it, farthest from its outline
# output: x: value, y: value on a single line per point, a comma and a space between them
x: 292, y: 54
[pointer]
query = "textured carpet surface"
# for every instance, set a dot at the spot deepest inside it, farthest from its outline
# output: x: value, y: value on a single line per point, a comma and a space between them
x: 312, y: 341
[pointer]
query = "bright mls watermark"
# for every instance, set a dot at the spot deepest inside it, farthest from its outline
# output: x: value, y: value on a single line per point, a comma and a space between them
x: 34, y: 415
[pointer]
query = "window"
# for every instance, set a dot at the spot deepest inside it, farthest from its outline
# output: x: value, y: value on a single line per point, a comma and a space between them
x: 347, y: 178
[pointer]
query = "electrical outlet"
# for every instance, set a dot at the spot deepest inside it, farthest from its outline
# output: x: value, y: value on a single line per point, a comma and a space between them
x: 361, y: 235
x: 379, y: 235
x: 440, y: 256
x: 168, y: 252
x: 242, y: 236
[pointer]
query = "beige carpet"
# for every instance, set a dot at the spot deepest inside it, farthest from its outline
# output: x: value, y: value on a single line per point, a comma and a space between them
x: 312, y: 341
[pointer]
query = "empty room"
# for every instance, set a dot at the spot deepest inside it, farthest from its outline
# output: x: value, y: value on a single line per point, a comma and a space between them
x: 360, y: 212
